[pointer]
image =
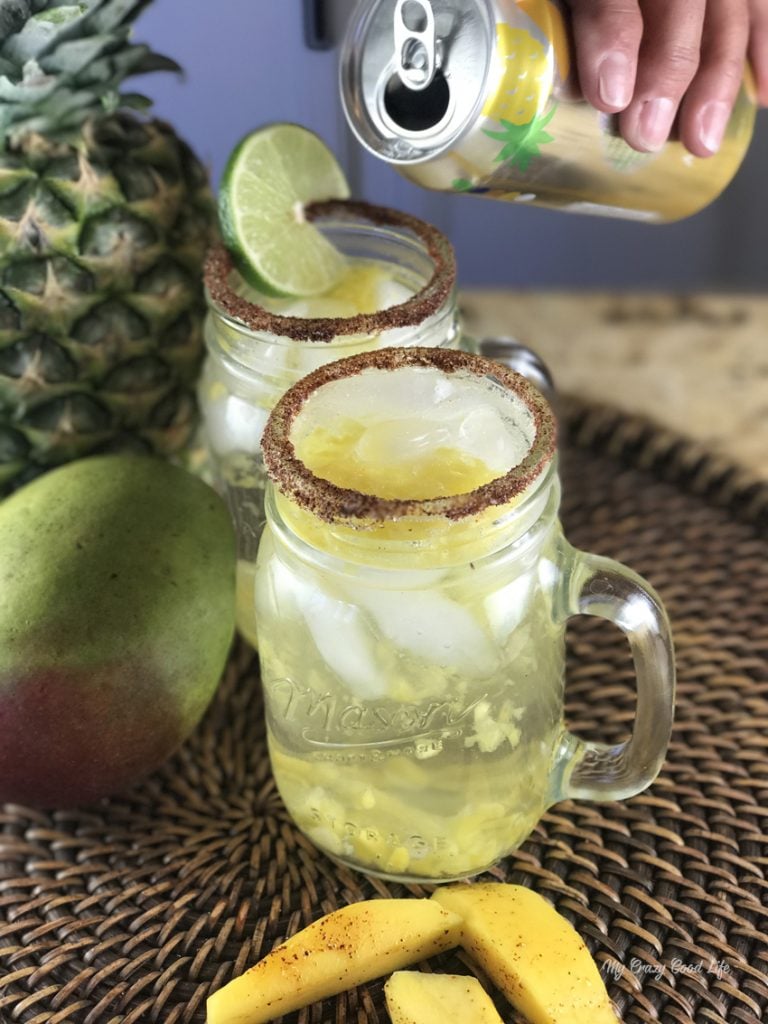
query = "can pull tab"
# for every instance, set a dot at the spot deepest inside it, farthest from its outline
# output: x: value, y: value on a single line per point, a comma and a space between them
x: 415, y: 43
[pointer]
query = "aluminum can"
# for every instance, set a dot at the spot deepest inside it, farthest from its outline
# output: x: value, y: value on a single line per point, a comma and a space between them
x: 481, y: 97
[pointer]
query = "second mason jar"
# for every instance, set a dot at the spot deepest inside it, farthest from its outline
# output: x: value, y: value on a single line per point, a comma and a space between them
x: 403, y: 294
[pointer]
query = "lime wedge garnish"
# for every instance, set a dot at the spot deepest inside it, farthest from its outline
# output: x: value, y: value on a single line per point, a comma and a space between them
x: 271, y: 176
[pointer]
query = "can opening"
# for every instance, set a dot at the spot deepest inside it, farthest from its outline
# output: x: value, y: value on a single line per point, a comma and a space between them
x: 417, y: 111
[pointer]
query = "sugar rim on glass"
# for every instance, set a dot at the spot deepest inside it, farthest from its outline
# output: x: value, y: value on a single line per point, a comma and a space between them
x: 219, y: 266
x: 332, y: 503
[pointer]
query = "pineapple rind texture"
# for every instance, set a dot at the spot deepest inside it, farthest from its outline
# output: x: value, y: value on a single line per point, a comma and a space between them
x: 101, y: 305
x: 105, y: 218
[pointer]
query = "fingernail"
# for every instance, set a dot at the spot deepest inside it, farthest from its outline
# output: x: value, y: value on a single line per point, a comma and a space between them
x: 712, y: 123
x: 655, y: 123
x: 613, y: 84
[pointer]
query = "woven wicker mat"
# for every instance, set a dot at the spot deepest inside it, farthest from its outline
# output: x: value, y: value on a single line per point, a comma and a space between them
x: 133, y: 911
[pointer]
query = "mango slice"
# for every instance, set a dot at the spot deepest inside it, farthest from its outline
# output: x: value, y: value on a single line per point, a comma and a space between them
x: 415, y: 998
x: 530, y: 952
x: 350, y: 946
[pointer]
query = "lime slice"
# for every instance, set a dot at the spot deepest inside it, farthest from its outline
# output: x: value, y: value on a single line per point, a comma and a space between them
x: 269, y: 179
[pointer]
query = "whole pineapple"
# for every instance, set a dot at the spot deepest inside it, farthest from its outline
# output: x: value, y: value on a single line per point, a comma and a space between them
x: 105, y: 216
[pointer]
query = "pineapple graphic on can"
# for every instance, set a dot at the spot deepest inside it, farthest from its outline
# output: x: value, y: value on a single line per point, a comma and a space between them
x: 480, y: 97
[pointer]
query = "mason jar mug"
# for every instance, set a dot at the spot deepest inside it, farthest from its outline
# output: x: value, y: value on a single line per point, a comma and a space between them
x: 258, y: 346
x: 412, y: 590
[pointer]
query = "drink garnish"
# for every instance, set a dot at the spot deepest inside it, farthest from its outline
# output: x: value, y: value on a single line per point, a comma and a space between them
x: 273, y: 174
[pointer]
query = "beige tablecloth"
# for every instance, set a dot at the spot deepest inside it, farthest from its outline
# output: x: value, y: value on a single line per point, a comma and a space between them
x: 697, y: 364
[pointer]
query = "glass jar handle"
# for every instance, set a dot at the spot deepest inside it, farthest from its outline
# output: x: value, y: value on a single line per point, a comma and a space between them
x: 512, y: 353
x: 598, y: 771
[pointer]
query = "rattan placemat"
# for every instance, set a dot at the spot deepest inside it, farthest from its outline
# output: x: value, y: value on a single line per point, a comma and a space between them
x: 134, y: 910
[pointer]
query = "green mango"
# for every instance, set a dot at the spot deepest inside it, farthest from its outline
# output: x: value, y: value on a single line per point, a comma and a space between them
x: 117, y: 611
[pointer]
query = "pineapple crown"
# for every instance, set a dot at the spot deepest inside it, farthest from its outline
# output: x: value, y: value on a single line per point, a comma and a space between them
x: 61, y: 63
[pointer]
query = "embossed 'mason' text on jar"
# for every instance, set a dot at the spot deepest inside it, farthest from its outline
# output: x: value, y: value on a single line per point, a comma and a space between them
x: 320, y: 712
x: 401, y: 293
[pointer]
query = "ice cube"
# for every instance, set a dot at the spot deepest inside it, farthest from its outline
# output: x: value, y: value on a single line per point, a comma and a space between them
x: 391, y: 292
x: 395, y: 441
x: 371, y: 396
x: 338, y: 629
x: 506, y: 608
x: 485, y: 433
x: 234, y: 425
x: 431, y: 626
x: 319, y: 307
x: 412, y: 410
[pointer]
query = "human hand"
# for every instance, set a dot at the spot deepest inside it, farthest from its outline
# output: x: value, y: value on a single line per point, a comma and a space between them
x: 758, y: 46
x: 652, y: 61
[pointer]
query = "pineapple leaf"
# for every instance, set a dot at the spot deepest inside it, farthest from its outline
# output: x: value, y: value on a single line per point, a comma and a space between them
x: 62, y: 15
x: 30, y: 90
x: 135, y: 101
x: 67, y: 49
x: 64, y: 101
x: 13, y: 14
x: 42, y: 125
x: 114, y: 13
x: 110, y: 101
x: 41, y: 33
x: 88, y: 6
x: 156, y: 62
x: 73, y: 56
x: 114, y: 67
x: 513, y: 136
x: 60, y: 108
x: 522, y: 141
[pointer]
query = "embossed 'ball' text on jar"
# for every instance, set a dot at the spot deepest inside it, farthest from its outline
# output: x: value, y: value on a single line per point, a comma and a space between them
x: 258, y: 346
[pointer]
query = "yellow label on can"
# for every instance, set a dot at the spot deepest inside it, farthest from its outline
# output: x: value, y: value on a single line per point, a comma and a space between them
x: 549, y: 18
x: 525, y: 82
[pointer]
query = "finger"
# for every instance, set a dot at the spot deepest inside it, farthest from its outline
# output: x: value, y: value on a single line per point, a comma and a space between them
x: 607, y: 37
x: 669, y: 58
x: 758, y: 47
x: 707, y: 105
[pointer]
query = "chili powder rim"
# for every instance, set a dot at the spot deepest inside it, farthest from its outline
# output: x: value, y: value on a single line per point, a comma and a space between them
x: 333, y: 503
x: 220, y: 264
